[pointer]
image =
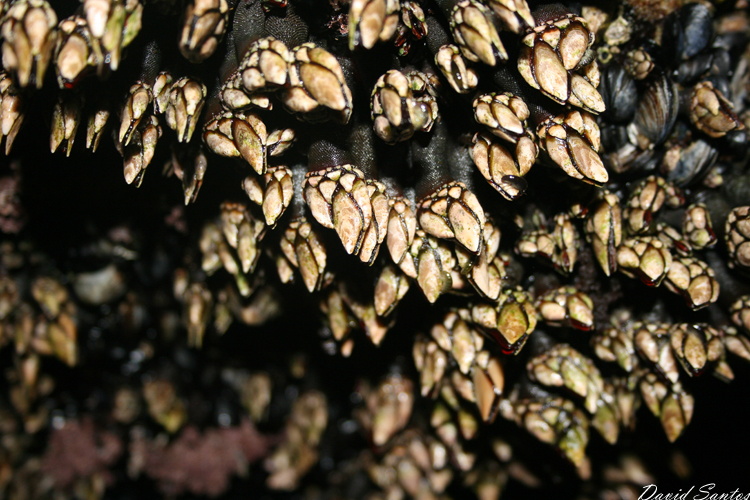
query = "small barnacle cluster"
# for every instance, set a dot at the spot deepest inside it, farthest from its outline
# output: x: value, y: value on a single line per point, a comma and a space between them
x: 412, y: 240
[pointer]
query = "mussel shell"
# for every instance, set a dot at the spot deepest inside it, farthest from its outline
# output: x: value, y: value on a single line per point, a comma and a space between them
x: 619, y: 92
x: 717, y: 62
x: 695, y: 160
x: 657, y: 110
x: 687, y: 31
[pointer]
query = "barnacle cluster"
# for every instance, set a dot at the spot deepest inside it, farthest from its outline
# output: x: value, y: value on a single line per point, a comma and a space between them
x: 418, y: 248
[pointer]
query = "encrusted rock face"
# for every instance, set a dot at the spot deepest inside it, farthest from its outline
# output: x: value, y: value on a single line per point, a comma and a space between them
x: 417, y: 247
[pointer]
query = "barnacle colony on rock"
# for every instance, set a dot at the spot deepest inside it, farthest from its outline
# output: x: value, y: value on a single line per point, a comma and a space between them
x: 510, y: 225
